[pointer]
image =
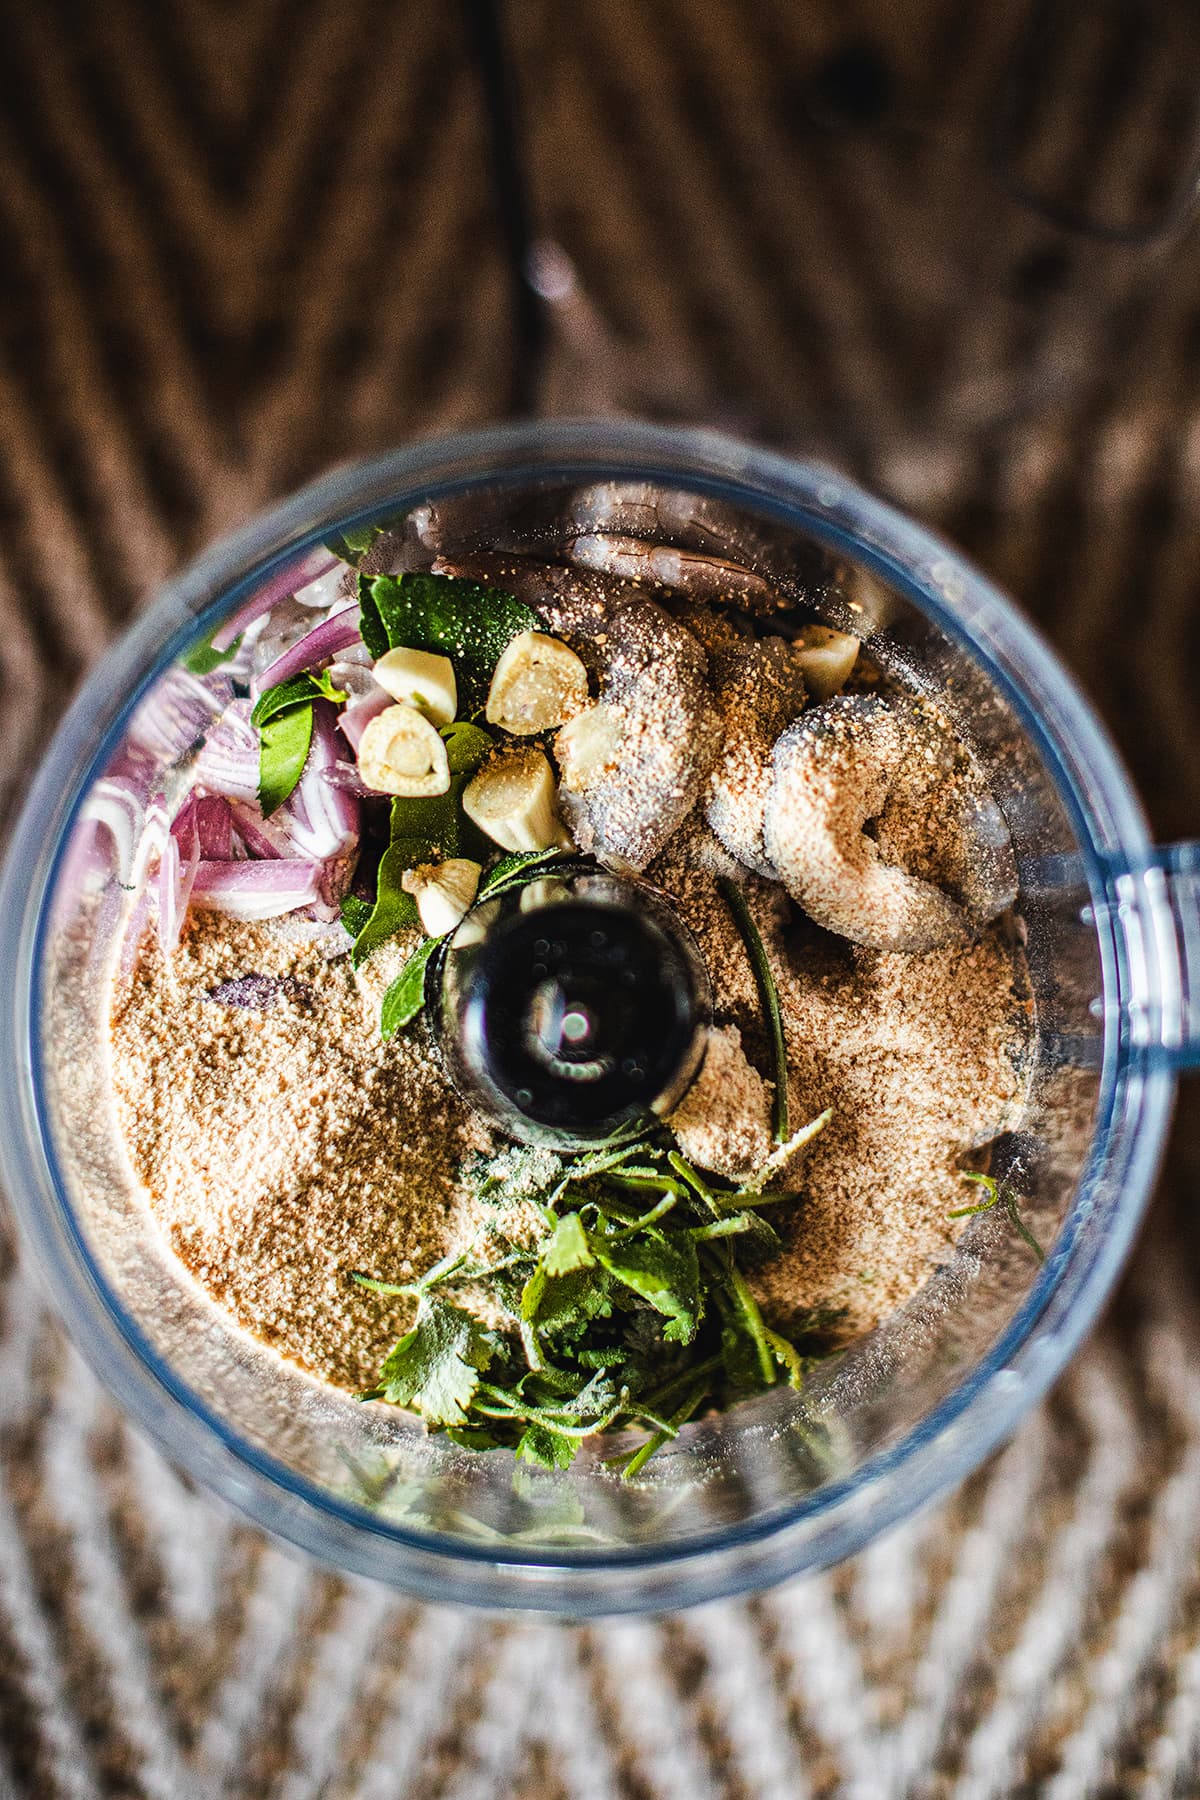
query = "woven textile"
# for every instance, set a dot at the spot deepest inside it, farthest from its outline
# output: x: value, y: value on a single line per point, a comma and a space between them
x: 239, y: 243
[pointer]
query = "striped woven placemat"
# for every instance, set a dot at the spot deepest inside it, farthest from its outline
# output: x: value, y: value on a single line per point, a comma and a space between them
x: 240, y: 243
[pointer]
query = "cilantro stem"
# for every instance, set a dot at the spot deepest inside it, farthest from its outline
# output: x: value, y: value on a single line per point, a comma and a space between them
x: 696, y: 1182
x: 641, y: 1456
x: 656, y: 1212
x: 735, y: 899
x: 731, y: 1226
x: 1003, y: 1195
x: 755, y: 1323
x: 656, y: 1399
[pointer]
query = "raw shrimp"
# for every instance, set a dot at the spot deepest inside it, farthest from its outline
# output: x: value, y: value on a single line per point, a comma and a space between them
x: 881, y: 828
x: 760, y: 688
x: 701, y: 577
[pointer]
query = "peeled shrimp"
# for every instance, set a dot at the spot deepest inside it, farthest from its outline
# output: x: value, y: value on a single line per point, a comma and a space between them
x: 691, y: 572
x: 936, y: 862
x: 760, y: 689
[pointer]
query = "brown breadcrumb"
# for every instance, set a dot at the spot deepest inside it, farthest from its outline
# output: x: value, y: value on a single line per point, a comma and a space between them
x: 283, y: 1147
x: 916, y: 1056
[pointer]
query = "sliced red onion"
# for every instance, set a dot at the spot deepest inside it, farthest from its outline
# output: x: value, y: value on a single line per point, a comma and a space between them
x: 214, y: 827
x: 177, y: 712
x: 317, y: 647
x: 354, y: 719
x: 156, y: 829
x: 325, y: 818
x: 257, y: 890
x: 228, y: 762
x: 345, y: 775
x: 137, y: 921
x: 176, y: 877
x: 116, y: 803
x: 353, y: 677
x: 355, y: 656
x: 281, y: 585
x: 262, y: 837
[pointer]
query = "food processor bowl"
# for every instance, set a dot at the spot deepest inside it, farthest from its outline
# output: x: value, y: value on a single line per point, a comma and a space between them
x: 788, y: 1481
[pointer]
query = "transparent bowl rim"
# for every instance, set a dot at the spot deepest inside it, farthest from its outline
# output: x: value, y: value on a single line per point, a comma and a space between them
x: 832, y: 1520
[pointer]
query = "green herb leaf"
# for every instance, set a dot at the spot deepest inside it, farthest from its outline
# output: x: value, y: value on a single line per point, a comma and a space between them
x: 460, y: 619
x: 735, y: 899
x: 516, y: 870
x: 611, y: 1317
x: 436, y: 1366
x: 406, y: 995
x: 355, y: 913
x: 297, y: 690
x: 423, y: 831
x: 568, y: 1247
x: 662, y: 1268
x: 351, y: 546
x: 283, y: 745
x: 203, y: 659
x: 546, y: 1449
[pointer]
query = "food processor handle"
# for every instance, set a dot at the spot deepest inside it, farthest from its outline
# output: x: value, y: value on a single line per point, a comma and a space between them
x: 1157, y: 902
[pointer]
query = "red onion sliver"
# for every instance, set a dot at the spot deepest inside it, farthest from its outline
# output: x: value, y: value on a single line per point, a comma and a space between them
x: 320, y: 645
x: 325, y: 819
x: 214, y: 828
x: 115, y: 802
x: 177, y: 712
x: 228, y: 763
x: 257, y: 890
x: 345, y: 775
x: 317, y: 562
x: 262, y: 837
x: 354, y: 719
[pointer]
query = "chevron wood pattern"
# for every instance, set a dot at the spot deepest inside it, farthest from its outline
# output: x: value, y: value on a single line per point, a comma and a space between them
x: 240, y: 242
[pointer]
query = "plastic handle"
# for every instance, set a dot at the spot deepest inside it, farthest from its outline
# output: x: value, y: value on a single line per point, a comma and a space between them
x: 1158, y: 905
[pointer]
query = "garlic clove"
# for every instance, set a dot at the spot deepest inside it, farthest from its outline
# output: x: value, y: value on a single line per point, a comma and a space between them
x: 421, y: 679
x: 400, y: 752
x: 827, y: 658
x: 513, y: 800
x: 589, y: 745
x: 444, y: 892
x: 538, y: 684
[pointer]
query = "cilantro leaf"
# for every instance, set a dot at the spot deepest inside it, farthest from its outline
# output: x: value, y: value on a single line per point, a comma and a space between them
x: 568, y: 1247
x: 351, y: 546
x: 203, y: 659
x: 546, y: 1449
x: 436, y: 1366
x: 406, y: 995
x: 611, y: 1318
x: 283, y: 745
x: 662, y: 1267
x: 460, y: 619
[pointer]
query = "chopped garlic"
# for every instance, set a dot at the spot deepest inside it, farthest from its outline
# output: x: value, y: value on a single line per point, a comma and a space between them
x: 401, y: 753
x: 539, y: 683
x: 827, y: 658
x: 513, y: 799
x: 421, y: 679
x: 443, y: 892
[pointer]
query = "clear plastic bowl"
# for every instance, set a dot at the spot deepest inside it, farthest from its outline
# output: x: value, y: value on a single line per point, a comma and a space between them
x: 779, y: 1484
